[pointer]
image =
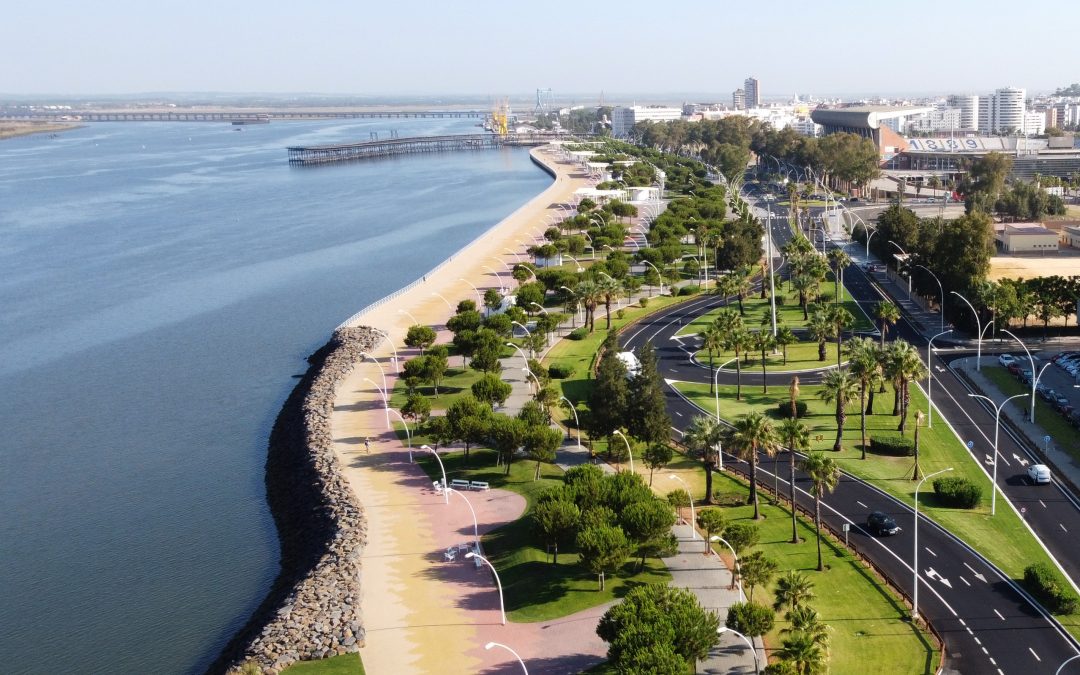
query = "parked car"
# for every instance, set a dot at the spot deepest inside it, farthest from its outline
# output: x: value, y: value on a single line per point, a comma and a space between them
x: 881, y: 524
x: 1038, y: 474
x: 1006, y: 359
x: 1014, y: 368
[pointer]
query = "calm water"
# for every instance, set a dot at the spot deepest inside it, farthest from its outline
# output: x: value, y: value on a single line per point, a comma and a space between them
x: 161, y: 286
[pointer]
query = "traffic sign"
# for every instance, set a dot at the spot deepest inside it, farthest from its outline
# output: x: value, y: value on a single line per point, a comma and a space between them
x: 1046, y: 439
x: 970, y: 444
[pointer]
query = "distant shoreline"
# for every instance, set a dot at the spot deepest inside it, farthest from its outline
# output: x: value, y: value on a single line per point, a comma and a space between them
x: 17, y: 129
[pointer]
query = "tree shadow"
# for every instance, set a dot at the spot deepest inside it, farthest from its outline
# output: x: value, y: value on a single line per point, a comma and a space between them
x: 566, y: 664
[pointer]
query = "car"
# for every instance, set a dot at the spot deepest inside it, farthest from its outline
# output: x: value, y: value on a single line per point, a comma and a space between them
x: 1013, y: 368
x: 1006, y: 359
x: 1038, y: 474
x: 881, y: 524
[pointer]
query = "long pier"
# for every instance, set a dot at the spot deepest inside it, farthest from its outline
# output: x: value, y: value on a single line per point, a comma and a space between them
x: 212, y: 116
x: 326, y: 154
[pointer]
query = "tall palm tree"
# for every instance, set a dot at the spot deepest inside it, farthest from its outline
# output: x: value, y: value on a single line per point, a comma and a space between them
x: 793, y: 590
x: 805, y: 655
x: 589, y: 294
x: 727, y: 285
x: 609, y: 288
x: 784, y: 337
x: 712, y: 340
x: 702, y: 439
x: 824, y: 474
x: 887, y: 315
x: 840, y: 388
x: 820, y: 329
x: 838, y: 260
x: 796, y: 436
x: 751, y: 434
x: 841, y: 320
x: 802, y: 283
x: 738, y: 340
x: 763, y: 341
x: 742, y: 287
x: 863, y: 366
x: 907, y: 366
x: 805, y: 619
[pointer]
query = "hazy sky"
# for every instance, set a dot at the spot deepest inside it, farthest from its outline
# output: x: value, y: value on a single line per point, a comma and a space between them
x: 495, y: 49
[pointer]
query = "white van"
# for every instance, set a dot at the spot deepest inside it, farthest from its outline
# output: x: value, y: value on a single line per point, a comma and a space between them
x: 633, y: 366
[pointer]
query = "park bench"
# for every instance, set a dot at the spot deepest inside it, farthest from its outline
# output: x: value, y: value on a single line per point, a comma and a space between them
x: 479, y: 485
x: 459, y: 484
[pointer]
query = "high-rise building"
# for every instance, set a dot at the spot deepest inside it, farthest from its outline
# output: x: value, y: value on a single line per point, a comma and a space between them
x: 753, y: 92
x: 968, y: 105
x: 1008, y: 110
x: 738, y: 99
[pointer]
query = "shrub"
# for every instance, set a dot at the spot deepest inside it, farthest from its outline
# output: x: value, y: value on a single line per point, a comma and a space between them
x: 1043, y: 582
x: 721, y: 498
x: 784, y: 409
x: 620, y: 313
x: 689, y: 290
x: 894, y: 446
x: 957, y: 492
x: 579, y: 333
x: 559, y: 371
x: 644, y: 302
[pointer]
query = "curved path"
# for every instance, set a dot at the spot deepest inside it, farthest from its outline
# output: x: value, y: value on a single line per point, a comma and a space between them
x: 987, y: 623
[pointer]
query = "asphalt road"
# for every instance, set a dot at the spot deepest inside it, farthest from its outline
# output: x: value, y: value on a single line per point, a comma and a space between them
x: 987, y: 623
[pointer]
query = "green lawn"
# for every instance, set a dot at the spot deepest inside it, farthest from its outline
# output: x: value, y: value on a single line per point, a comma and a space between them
x: 800, y: 356
x: 346, y: 664
x: 866, y: 617
x: 457, y: 382
x: 788, y: 310
x: 1001, y: 538
x: 534, y: 589
x: 1062, y: 434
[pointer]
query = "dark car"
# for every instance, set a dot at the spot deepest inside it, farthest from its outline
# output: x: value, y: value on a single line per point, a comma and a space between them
x: 881, y: 524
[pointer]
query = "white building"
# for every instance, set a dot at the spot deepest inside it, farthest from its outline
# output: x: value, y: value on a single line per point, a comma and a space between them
x: 968, y: 104
x: 753, y: 92
x: 738, y: 99
x: 1034, y: 122
x: 623, y: 118
x: 940, y: 118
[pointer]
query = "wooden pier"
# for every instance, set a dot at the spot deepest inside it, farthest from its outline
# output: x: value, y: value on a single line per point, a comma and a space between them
x: 325, y: 154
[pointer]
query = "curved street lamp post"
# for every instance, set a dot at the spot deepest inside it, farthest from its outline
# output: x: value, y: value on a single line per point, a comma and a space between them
x: 915, y: 567
x: 997, y: 427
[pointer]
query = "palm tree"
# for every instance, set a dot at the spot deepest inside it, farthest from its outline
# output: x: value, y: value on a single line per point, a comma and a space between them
x: 841, y: 320
x: 784, y: 337
x: 840, y: 388
x: 742, y: 287
x: 702, y: 439
x: 824, y: 474
x: 863, y: 366
x: 838, y: 260
x: 890, y: 370
x: 820, y: 329
x: 887, y: 314
x: 589, y: 294
x: 907, y: 367
x: 753, y: 433
x: 738, y: 340
x: 712, y: 340
x: 609, y: 288
x: 727, y: 285
x: 794, y: 434
x: 805, y: 619
x: 763, y: 341
x: 793, y: 590
x: 802, y: 284
x: 804, y: 654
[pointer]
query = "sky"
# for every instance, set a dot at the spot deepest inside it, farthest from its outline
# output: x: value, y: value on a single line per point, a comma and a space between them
x: 501, y: 49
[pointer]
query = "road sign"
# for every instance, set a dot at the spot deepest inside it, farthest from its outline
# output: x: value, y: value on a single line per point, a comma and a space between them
x: 1046, y: 439
x: 847, y: 527
x: 970, y: 444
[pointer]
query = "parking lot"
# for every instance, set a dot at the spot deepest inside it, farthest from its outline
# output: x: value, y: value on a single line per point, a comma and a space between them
x: 1058, y: 376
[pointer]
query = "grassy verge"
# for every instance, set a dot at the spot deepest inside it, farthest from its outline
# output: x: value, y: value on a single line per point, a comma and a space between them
x: 1061, y: 432
x: 1014, y: 547
x: 457, y: 382
x: 346, y: 664
x: 534, y: 589
x: 800, y: 356
x: 866, y: 617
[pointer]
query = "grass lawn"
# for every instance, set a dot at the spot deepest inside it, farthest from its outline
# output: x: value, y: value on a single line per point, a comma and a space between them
x: 1062, y: 434
x: 1013, y: 546
x: 346, y: 664
x: 866, y: 617
x: 788, y: 310
x: 800, y: 356
x: 534, y: 589
x: 457, y: 382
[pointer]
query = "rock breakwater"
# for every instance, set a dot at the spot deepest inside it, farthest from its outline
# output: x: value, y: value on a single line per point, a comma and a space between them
x: 313, y: 609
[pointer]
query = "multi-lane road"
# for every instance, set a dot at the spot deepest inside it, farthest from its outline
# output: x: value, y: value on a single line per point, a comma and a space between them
x: 988, y: 624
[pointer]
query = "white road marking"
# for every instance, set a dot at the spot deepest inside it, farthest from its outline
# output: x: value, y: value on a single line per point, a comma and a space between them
x: 989, y: 459
x: 999, y: 615
x: 677, y: 412
x: 1034, y: 654
x: 980, y: 577
x: 857, y: 502
x: 927, y: 547
x: 1062, y: 527
x: 962, y: 622
x: 966, y: 582
x: 1040, y: 501
x: 978, y: 641
x: 984, y: 649
x: 992, y: 661
x: 969, y: 631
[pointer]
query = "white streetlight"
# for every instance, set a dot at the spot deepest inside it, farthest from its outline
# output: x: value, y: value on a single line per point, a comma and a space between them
x: 522, y: 327
x: 516, y: 254
x: 479, y: 298
x: 772, y: 283
x: 978, y: 327
x: 915, y: 568
x: 907, y: 258
x: 503, y: 263
x: 868, y: 238
x: 693, y: 516
x: 1064, y: 663
x: 930, y: 381
x: 502, y: 285
x: 580, y: 310
x: 381, y: 369
x: 659, y: 276
x: 520, y: 351
x: 496, y: 644
x: 411, y: 317
x: 620, y: 433
x: 386, y: 401
x: 942, y: 290
x: 408, y: 436
x: 528, y: 374
x: 577, y: 424
x: 440, y: 296
x: 997, y: 427
x: 386, y: 336
x: 724, y: 629
x: 475, y: 525
x: 716, y: 387
x: 502, y: 606
x: 734, y: 555
x: 1035, y: 377
x: 580, y: 269
x: 445, y: 485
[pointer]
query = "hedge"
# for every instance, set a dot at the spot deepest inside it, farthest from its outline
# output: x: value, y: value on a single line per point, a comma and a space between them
x: 559, y: 371
x: 894, y: 446
x: 958, y: 493
x: 689, y: 290
x: 784, y: 409
x: 1043, y: 582
x: 579, y: 333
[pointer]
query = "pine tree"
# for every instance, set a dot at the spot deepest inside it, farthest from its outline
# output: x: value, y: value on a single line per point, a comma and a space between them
x: 647, y: 418
x: 609, y: 394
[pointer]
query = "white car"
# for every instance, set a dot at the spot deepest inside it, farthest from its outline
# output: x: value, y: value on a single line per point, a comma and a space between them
x: 1038, y: 474
x: 1006, y: 359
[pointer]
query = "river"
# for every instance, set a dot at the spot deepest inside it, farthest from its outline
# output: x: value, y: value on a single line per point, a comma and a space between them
x: 162, y: 285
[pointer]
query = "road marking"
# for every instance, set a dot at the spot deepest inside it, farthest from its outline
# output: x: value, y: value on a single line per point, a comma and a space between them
x: 677, y: 412
x: 989, y: 459
x: 962, y: 622
x: 992, y: 661
x: 969, y: 630
x: 978, y: 641
x: 1034, y: 654
x: 980, y: 577
x: 983, y: 648
x: 931, y: 573
x: 927, y: 547
x: 857, y: 502
x: 1040, y: 501
x: 999, y: 615
x: 966, y: 582
x: 1059, y: 524
x: 678, y: 431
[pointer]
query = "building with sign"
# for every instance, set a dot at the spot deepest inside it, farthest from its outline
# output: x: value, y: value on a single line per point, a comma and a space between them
x: 1030, y: 156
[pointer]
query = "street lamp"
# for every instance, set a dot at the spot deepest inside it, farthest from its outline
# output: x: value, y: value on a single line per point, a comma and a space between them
x: 386, y: 401
x: 906, y: 259
x: 579, y: 268
x: 942, y: 290
x: 997, y: 427
x: 930, y: 381
x: 734, y: 555
x: 475, y: 525
x: 868, y: 238
x: 443, y: 468
x: 716, y: 388
x: 528, y: 374
x: 577, y: 308
x: 520, y: 351
x: 577, y: 424
x: 440, y: 296
x: 411, y: 317
x: 724, y: 629
x: 408, y: 436
x: 502, y: 606
x: 978, y: 327
x: 1034, y: 378
x: 628, y: 452
x: 915, y: 568
x: 496, y: 644
x: 693, y: 516
x: 658, y: 275
x: 502, y: 286
x: 479, y: 298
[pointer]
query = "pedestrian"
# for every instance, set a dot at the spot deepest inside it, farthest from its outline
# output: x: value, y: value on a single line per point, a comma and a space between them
x: 367, y: 446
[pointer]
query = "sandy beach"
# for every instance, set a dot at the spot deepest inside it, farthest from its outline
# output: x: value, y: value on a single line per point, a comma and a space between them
x: 423, y: 613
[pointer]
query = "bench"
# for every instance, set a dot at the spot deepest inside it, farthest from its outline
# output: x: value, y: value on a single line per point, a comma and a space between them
x: 437, y: 486
x: 479, y: 485
x: 459, y: 484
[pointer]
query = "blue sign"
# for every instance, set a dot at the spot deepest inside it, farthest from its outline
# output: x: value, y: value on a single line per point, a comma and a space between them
x: 1046, y: 439
x: 970, y: 444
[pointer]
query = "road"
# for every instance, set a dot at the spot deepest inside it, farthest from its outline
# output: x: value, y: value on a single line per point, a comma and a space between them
x: 988, y: 624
